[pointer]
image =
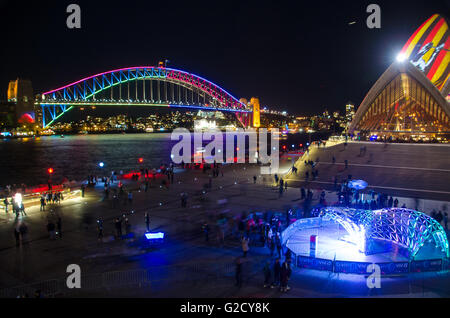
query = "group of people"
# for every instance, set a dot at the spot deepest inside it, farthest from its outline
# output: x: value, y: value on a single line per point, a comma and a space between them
x: 439, y: 217
x: 17, y: 206
x: 50, y: 197
x: 277, y: 274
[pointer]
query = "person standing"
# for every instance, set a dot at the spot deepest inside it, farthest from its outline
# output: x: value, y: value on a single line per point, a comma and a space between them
x: 272, y: 245
x: 267, y: 274
x: 278, y: 244
x: 396, y: 203
x: 42, y: 203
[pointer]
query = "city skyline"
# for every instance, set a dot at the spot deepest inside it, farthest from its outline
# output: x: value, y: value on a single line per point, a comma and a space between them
x: 264, y: 51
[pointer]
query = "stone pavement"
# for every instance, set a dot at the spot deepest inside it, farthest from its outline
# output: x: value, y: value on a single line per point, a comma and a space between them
x: 405, y: 170
x: 184, y: 251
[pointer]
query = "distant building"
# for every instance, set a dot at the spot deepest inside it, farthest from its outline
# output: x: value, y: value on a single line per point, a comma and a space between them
x: 8, y: 118
x: 349, y: 112
x: 20, y: 93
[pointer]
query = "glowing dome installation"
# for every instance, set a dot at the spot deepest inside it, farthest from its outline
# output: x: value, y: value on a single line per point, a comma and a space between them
x: 412, y: 95
x: 347, y: 240
x: 404, y: 227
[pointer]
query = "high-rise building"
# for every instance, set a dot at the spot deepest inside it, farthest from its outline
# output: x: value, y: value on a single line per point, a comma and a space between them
x: 349, y: 112
x: 20, y: 92
x: 256, y: 121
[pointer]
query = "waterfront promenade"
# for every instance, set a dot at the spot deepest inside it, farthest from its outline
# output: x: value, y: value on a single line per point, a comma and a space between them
x: 199, y: 268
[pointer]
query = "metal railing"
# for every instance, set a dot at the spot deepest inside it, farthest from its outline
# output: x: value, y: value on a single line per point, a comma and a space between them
x: 121, y: 279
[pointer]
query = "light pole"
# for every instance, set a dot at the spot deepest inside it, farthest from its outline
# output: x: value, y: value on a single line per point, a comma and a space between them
x: 49, y: 183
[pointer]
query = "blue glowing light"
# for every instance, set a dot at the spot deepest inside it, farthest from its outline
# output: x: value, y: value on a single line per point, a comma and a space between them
x: 101, y: 164
x: 154, y: 236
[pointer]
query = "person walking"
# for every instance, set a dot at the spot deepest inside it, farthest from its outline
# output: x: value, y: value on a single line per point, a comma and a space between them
x: 23, y: 229
x: 51, y: 229
x: 5, y: 201
x: 118, y: 225
x: 59, y: 227
x: 244, y: 242
x: 276, y: 273
x: 17, y: 236
x: 285, y: 274
x: 280, y: 190
x: 303, y: 193
x: 127, y: 226
x: 147, y: 221
x: 100, y: 229
x: 238, y: 272
x: 205, y: 228
x: 267, y: 274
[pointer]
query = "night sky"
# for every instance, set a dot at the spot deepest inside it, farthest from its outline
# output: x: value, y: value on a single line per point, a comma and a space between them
x: 299, y: 56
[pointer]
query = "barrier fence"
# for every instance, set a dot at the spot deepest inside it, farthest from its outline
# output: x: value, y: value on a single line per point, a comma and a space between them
x: 121, y: 279
x: 387, y: 268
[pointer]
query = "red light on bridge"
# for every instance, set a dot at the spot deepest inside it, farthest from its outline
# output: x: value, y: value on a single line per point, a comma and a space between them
x: 141, y: 160
x: 50, y: 170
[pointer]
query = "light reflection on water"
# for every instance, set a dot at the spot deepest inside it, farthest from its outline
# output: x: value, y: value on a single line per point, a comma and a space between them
x: 27, y: 160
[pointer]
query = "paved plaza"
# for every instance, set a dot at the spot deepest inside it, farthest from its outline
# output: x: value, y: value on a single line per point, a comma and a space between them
x: 185, y: 265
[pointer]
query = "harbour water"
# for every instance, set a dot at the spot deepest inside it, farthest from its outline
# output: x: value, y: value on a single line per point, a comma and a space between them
x: 27, y: 160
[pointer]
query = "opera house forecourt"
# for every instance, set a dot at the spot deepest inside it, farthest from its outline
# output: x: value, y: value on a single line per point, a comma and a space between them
x: 411, y: 98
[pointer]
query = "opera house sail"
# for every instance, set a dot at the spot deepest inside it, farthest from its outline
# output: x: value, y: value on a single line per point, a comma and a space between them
x: 411, y: 98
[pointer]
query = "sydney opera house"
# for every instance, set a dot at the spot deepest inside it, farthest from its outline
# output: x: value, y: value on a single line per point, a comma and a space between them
x: 411, y: 98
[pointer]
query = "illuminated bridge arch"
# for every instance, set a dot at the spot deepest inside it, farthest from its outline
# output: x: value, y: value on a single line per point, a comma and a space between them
x: 407, y: 228
x: 139, y: 86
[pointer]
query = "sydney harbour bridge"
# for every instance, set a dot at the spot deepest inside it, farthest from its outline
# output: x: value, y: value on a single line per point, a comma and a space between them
x: 144, y: 86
